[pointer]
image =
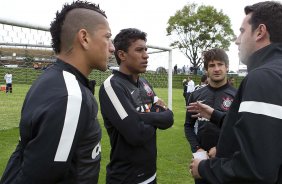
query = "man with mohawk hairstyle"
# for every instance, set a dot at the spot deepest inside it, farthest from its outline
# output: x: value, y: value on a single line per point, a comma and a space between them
x: 59, y: 132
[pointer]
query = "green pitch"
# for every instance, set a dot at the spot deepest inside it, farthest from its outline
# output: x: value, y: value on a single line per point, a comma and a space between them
x: 173, y: 151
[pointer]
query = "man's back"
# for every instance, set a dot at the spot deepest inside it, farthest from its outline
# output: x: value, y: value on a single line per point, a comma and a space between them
x: 52, y: 114
x: 8, y: 78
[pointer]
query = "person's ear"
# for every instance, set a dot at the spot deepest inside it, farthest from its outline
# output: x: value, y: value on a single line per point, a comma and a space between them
x: 83, y: 38
x: 261, y: 32
x: 121, y: 54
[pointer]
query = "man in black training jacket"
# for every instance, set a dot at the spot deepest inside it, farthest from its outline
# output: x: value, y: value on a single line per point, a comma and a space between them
x: 132, y: 112
x: 250, y: 145
x: 59, y: 132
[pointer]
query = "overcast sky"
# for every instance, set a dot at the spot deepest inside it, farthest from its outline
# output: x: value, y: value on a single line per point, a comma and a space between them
x: 151, y: 16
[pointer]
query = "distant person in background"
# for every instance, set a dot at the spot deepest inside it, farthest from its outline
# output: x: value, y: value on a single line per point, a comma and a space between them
x: 9, y: 79
x: 59, y: 130
x: 201, y: 132
x: 184, y: 84
x: 250, y: 144
x: 203, y: 82
x: 231, y: 81
x: 186, y: 69
x: 175, y: 69
x: 183, y: 69
x: 190, y: 87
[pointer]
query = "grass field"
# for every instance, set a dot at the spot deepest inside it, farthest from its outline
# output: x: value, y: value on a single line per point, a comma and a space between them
x: 173, y: 150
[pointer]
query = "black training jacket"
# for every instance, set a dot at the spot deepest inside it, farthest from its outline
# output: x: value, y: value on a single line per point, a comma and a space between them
x: 200, y: 132
x: 249, y: 150
x: 59, y: 132
x: 126, y: 108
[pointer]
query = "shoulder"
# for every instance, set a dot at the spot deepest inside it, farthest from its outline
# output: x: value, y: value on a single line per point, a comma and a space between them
x: 262, y: 76
x: 115, y: 80
x: 114, y: 83
x: 261, y: 84
x: 231, y: 90
x: 73, y: 86
x: 200, y: 89
x: 199, y: 92
x: 197, y: 87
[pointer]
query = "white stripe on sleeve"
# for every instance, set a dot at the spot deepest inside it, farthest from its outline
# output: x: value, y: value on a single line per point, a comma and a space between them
x: 113, y: 97
x: 149, y: 180
x: 71, y: 117
x: 266, y: 109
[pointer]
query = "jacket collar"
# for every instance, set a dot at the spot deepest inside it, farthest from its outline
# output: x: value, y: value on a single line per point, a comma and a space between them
x: 227, y: 85
x: 128, y: 77
x: 263, y: 55
x: 79, y: 76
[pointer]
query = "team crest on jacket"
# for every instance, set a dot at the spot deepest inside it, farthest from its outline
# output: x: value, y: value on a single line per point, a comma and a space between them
x: 148, y: 89
x: 226, y: 103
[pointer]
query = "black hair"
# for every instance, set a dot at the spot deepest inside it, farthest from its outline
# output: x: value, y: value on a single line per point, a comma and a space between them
x: 204, y: 78
x: 215, y: 54
x: 268, y: 13
x: 56, y: 25
x: 125, y: 37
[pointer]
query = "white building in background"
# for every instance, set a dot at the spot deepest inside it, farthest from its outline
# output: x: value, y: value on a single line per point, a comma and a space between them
x: 242, y: 70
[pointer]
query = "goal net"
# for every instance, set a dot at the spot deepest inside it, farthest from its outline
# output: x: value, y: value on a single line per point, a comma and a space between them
x: 25, y: 51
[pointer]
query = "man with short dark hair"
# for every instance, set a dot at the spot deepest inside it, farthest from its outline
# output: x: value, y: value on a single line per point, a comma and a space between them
x: 231, y: 81
x: 203, y: 82
x: 132, y: 112
x: 59, y: 132
x: 250, y: 144
x: 202, y: 133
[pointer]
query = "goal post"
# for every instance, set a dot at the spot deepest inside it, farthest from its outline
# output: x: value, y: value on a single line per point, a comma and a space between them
x: 25, y: 49
x: 169, y: 80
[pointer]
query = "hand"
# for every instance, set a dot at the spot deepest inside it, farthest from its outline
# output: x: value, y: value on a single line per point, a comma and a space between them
x: 193, y: 168
x: 161, y: 103
x: 201, y: 110
x: 212, y: 152
x: 200, y: 149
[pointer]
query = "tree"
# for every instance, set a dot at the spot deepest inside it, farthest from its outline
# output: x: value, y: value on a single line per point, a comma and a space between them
x: 196, y: 29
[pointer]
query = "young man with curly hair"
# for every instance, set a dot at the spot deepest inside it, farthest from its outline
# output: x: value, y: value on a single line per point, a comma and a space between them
x: 249, y: 148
